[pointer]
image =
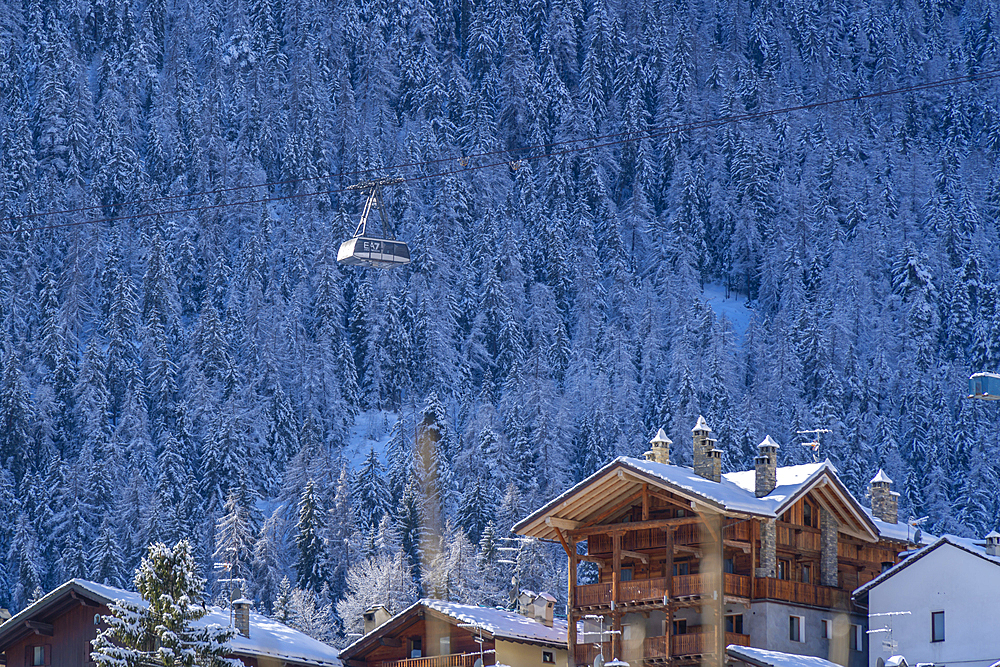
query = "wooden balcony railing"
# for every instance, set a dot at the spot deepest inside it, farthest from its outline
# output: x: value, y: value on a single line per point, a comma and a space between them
x: 653, y: 590
x: 643, y: 590
x: 798, y: 538
x: 453, y: 660
x: 585, y: 653
x: 593, y: 595
x: 796, y: 591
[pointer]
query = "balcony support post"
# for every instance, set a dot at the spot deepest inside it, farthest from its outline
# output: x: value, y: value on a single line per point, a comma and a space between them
x: 616, y: 577
x: 570, y: 618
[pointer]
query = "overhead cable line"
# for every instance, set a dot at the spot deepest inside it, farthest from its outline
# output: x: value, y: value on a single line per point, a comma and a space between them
x: 606, y: 140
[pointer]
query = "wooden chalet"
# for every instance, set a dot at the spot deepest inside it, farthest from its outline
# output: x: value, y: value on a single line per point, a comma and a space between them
x: 679, y: 563
x: 436, y: 633
x: 57, y: 631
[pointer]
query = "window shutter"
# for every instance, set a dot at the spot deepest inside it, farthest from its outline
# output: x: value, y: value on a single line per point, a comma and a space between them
x: 27, y: 656
x: 48, y: 654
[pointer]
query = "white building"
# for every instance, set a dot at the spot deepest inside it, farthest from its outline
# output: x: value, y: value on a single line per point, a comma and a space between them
x: 950, y: 589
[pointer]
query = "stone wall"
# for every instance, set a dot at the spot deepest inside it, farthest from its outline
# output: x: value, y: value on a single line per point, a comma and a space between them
x: 828, y: 528
x: 768, y: 549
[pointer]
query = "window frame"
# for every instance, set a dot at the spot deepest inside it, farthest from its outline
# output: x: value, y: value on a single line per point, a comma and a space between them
x: 796, y: 629
x: 548, y: 658
x: 826, y: 626
x: 935, y: 638
x: 679, y: 623
x: 731, y: 622
x: 855, y: 641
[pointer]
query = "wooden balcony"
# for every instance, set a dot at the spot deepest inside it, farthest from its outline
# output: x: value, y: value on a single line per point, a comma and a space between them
x: 651, y: 591
x: 800, y: 593
x: 453, y: 660
x: 798, y: 538
x: 692, y: 643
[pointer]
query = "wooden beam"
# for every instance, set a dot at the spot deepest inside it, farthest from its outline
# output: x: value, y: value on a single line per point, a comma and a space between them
x: 82, y: 600
x: 645, y: 501
x: 635, y: 555
x: 565, y: 524
x: 616, y: 577
x: 395, y: 642
x: 562, y: 539
x: 611, y: 529
x: 571, y: 586
x: 744, y: 546
x: 614, y: 509
x: 40, y: 628
x: 683, y: 548
x: 601, y: 562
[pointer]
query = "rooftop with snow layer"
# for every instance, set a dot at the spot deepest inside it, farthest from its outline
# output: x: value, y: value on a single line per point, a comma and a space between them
x: 267, y: 637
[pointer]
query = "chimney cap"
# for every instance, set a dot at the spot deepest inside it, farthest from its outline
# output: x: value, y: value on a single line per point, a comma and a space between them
x: 702, y: 425
x: 881, y: 477
x: 547, y: 596
x: 768, y: 441
x: 661, y: 437
x: 994, y: 535
x: 243, y: 602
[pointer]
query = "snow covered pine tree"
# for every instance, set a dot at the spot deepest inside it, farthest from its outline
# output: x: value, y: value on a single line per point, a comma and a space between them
x: 162, y: 632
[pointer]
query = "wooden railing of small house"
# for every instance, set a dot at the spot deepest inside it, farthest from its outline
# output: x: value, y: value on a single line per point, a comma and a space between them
x: 452, y: 660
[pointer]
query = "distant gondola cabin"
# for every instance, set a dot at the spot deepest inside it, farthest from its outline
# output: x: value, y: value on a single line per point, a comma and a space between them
x: 367, y: 251
x: 985, y: 386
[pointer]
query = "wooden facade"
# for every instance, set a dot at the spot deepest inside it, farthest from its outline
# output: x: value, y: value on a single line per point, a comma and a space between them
x: 424, y: 636
x: 57, y: 631
x: 660, y: 549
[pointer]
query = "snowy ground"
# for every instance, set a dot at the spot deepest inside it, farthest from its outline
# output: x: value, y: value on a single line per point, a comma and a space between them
x: 734, y: 308
x: 371, y: 429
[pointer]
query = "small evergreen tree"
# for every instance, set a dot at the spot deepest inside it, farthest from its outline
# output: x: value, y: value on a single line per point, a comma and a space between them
x: 161, y: 632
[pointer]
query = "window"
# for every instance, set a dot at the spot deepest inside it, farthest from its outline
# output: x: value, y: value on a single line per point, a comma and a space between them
x: 445, y: 646
x: 681, y: 569
x: 886, y: 565
x: 806, y: 574
x: 734, y: 623
x: 855, y: 641
x: 728, y: 566
x: 784, y: 567
x: 807, y: 514
x: 827, y: 626
x: 680, y: 626
x: 416, y: 647
x: 548, y: 658
x: 795, y: 633
x: 626, y: 574
x: 626, y: 632
x: 39, y: 655
x: 937, y: 626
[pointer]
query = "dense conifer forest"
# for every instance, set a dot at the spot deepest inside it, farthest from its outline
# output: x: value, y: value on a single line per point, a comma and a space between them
x: 183, y: 359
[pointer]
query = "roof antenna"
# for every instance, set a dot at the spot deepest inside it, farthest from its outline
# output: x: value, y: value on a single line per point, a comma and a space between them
x: 814, y: 444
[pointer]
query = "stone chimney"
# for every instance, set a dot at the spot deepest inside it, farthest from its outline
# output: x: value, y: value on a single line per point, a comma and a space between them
x: 885, y: 501
x: 766, y: 465
x: 660, y: 453
x: 707, y: 459
x: 544, y: 608
x: 375, y: 616
x: 993, y: 544
x: 241, y: 615
x: 526, y: 603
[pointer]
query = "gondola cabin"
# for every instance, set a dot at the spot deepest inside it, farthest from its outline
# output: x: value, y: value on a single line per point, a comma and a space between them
x: 368, y: 251
x: 985, y: 386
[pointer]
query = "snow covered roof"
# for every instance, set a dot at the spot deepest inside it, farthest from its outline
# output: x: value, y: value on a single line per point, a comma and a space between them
x: 880, y: 477
x: 768, y: 441
x: 494, y: 623
x: 267, y: 637
x: 502, y: 624
x: 734, y: 494
x: 972, y: 546
x: 661, y: 436
x: 762, y: 658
